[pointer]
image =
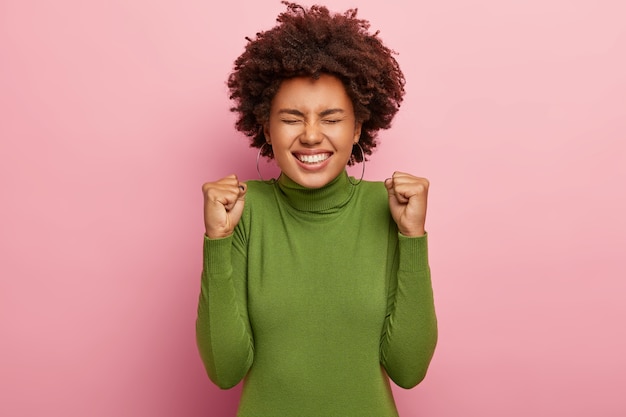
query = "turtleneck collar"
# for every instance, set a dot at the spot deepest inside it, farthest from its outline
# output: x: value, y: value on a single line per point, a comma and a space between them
x: 332, y: 196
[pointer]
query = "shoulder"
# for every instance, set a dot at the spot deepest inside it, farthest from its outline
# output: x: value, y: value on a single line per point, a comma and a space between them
x: 260, y: 192
x: 260, y: 199
x: 372, y: 185
x: 373, y: 195
x: 372, y: 190
x: 258, y: 186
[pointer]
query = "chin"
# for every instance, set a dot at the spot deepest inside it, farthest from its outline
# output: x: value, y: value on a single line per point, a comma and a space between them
x: 310, y: 184
x: 314, y: 181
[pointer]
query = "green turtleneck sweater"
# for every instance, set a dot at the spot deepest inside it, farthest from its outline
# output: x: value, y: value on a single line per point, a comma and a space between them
x: 314, y: 299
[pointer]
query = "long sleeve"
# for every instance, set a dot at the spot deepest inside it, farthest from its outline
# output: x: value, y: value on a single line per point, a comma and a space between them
x: 310, y: 297
x: 222, y: 328
x: 410, y: 331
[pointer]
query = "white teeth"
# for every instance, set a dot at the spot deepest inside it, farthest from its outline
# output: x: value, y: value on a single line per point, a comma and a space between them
x: 313, y: 159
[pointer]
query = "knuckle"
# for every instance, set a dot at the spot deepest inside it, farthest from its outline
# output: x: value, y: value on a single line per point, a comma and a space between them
x: 216, y: 193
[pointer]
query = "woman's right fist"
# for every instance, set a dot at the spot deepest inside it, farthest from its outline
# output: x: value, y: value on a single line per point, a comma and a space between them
x: 223, y: 205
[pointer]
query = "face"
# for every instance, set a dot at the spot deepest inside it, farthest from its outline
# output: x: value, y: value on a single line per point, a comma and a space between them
x: 312, y: 129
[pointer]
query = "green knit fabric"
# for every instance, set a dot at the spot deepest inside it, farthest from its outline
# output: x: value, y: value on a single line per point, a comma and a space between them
x: 314, y: 300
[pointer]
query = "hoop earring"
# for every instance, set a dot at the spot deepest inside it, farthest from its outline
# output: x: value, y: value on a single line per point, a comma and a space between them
x: 362, y: 169
x: 258, y: 170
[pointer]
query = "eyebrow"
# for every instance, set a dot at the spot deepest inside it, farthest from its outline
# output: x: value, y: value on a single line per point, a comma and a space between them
x: 323, y: 113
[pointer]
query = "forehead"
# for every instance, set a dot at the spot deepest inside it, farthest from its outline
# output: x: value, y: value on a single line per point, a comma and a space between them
x: 307, y: 93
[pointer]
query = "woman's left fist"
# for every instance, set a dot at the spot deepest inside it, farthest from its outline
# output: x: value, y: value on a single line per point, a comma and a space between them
x: 408, y: 196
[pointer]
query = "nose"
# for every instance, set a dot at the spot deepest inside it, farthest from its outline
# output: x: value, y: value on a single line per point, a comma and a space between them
x: 312, y: 134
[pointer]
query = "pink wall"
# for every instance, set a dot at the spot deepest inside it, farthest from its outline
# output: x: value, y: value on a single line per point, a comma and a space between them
x: 113, y: 113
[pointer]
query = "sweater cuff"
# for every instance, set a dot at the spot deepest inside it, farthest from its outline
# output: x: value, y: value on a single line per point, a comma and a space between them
x: 217, y: 254
x: 413, y: 252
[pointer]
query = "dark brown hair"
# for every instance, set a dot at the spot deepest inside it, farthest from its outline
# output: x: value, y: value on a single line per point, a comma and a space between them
x: 311, y: 42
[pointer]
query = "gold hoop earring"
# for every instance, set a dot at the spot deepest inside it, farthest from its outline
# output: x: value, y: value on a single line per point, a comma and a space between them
x: 258, y: 158
x: 362, y: 169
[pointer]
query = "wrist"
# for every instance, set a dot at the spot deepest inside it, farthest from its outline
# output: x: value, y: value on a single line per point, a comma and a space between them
x: 413, y: 232
x: 217, y: 235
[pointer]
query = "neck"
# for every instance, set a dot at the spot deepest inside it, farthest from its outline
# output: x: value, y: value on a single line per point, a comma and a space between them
x: 331, y: 196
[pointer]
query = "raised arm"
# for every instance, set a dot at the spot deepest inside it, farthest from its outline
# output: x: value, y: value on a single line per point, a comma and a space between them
x: 222, y: 328
x: 410, y: 333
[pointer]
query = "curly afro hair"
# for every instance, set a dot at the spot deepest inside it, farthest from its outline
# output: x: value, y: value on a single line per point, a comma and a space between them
x: 311, y: 42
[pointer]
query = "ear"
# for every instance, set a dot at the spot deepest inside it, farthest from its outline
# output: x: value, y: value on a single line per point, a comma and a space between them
x: 357, y: 131
x: 266, y: 132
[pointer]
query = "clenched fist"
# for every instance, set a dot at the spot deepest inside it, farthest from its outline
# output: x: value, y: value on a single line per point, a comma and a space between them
x: 407, y: 202
x: 223, y: 205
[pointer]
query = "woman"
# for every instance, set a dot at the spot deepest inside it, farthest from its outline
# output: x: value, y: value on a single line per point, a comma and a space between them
x: 316, y: 286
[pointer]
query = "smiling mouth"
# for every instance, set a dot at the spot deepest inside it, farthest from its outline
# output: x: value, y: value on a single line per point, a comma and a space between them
x: 312, y: 159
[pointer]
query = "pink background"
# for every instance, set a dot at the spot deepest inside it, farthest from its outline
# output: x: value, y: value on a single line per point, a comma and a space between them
x: 113, y: 113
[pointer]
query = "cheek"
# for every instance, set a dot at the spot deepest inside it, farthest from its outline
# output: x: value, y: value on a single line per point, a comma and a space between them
x: 277, y: 136
x: 348, y: 136
x: 283, y: 141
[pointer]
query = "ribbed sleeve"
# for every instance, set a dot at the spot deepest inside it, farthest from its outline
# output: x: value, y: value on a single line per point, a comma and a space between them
x: 222, y: 328
x: 410, y: 333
